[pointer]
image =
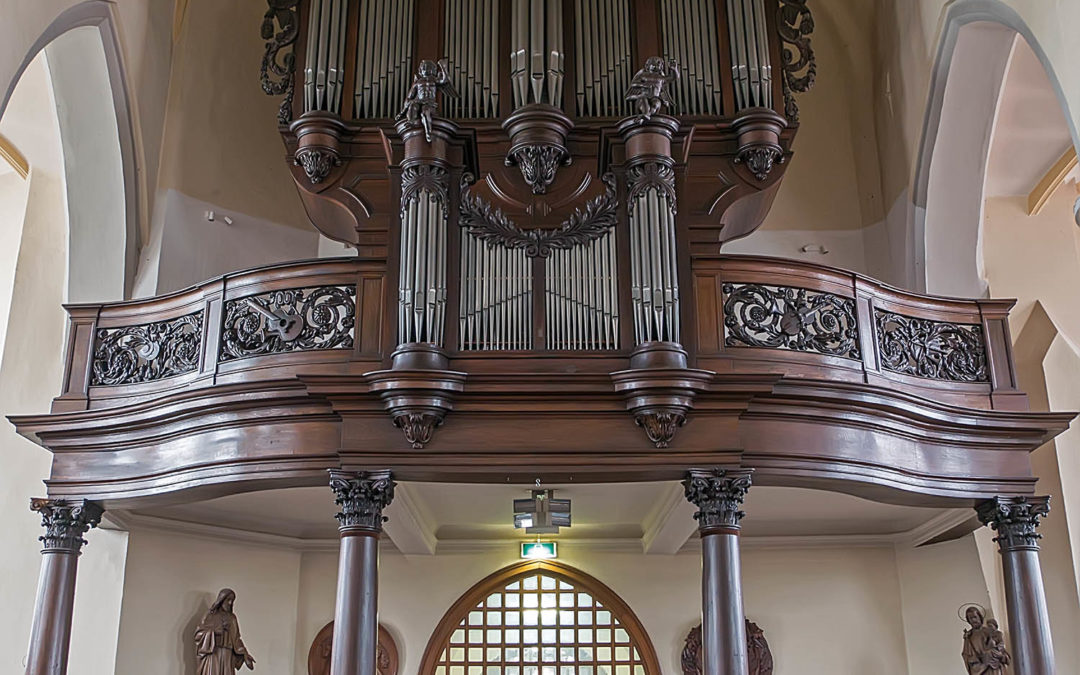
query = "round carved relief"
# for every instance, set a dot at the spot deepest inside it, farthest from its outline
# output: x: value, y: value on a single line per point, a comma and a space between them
x: 386, y: 658
x: 758, y: 653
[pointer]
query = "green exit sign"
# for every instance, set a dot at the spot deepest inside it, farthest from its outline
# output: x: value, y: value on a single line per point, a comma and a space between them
x: 539, y: 550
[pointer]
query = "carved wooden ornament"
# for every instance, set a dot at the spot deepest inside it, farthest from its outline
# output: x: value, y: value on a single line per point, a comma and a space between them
x: 386, y: 660
x: 759, y: 656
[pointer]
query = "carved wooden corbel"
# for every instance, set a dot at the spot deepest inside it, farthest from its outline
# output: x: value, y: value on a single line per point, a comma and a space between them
x: 659, y: 389
x: 418, y: 391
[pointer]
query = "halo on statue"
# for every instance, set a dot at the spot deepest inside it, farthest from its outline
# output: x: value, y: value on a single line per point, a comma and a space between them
x: 962, y: 612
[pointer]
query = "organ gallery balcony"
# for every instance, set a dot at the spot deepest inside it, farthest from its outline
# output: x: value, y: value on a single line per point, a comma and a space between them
x: 813, y: 375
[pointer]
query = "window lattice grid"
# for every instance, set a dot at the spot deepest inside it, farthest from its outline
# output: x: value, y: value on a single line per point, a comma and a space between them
x: 540, y: 625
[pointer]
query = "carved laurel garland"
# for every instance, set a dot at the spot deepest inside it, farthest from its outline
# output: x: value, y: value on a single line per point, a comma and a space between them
x: 782, y: 317
x: 492, y: 226
x: 148, y: 352
x: 296, y: 319
x: 277, y: 72
x: 799, y: 69
x: 655, y: 175
x: 937, y: 350
x: 419, y: 178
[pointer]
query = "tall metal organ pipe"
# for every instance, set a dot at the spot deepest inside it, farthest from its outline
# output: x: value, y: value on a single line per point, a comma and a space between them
x: 324, y: 62
x: 751, y: 67
x: 422, y: 279
x: 537, y: 57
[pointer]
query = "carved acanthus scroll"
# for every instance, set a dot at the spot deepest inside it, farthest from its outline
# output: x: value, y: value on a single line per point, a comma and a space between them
x: 149, y: 352
x: 295, y: 319
x: 938, y: 350
x: 782, y: 317
x: 277, y: 72
x: 799, y: 69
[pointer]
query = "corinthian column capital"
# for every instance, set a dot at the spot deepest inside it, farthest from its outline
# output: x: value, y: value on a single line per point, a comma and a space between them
x: 361, y: 495
x: 1015, y: 519
x: 65, y: 522
x: 718, y: 494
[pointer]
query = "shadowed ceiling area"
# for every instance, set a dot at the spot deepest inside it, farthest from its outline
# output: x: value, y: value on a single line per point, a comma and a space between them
x: 463, y: 516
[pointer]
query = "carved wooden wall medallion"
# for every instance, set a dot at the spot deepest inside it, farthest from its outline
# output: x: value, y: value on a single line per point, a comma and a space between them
x: 386, y: 659
x: 759, y: 655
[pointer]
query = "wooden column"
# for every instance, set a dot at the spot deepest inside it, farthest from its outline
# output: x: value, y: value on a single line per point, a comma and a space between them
x: 1015, y: 519
x: 362, y: 496
x: 718, y: 494
x: 65, y: 523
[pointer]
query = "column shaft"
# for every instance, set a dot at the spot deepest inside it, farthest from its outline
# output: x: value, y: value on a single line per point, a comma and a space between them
x: 723, y: 633
x: 50, y: 635
x: 65, y: 523
x: 1016, y: 520
x: 1029, y: 621
x: 718, y: 494
x: 362, y: 497
x: 356, y: 622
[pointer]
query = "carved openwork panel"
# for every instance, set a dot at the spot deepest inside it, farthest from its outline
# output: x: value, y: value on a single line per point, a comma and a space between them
x: 782, y: 317
x: 148, y: 352
x: 296, y: 319
x: 937, y: 350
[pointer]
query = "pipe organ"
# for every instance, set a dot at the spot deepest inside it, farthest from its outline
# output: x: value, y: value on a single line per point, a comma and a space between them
x: 601, y: 148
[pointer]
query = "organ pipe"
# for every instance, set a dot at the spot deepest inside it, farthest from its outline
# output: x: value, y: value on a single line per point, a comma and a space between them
x: 751, y: 67
x: 654, y: 281
x: 422, y: 279
x: 324, y: 63
x: 496, y: 297
x: 383, y: 56
x: 604, y: 63
x: 690, y: 38
x: 537, y: 57
x: 581, y: 293
x: 471, y: 39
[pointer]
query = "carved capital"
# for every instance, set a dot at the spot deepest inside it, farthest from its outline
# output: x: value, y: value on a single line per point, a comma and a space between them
x: 538, y: 164
x: 418, y: 179
x: 660, y: 425
x: 418, y: 426
x: 1015, y: 519
x: 718, y: 494
x: 317, y: 162
x: 655, y: 175
x: 362, y: 496
x: 760, y: 158
x: 66, y: 522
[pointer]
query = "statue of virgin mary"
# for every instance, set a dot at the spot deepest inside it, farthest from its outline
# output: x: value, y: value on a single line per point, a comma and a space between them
x: 217, y: 639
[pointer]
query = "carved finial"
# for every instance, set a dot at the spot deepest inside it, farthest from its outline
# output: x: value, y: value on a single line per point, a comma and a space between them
x: 362, y: 495
x: 718, y: 494
x: 66, y: 522
x: 421, y: 104
x: 317, y: 162
x: 418, y: 426
x: 649, y: 88
x: 660, y: 425
x: 759, y: 159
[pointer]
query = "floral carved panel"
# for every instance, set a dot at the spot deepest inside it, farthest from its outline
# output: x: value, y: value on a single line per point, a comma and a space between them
x: 296, y: 319
x: 797, y: 319
x: 936, y: 350
x: 147, y: 352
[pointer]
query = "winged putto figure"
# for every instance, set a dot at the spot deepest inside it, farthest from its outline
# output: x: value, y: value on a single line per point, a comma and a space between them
x: 420, y: 104
x: 650, y: 85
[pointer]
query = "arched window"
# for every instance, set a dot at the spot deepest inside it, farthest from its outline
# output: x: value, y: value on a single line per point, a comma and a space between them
x: 539, y: 618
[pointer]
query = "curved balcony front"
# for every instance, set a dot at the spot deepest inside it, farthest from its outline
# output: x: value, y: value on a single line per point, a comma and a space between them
x: 813, y: 376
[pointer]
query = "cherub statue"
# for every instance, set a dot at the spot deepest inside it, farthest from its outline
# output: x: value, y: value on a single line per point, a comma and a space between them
x: 420, y: 104
x: 650, y: 86
x: 984, y: 645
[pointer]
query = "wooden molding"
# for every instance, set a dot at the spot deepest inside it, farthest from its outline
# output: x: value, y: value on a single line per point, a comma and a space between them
x: 1051, y: 181
x: 11, y: 154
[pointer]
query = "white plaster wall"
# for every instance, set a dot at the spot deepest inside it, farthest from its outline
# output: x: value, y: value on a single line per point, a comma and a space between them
x: 191, y: 249
x: 935, y: 581
x: 171, y: 581
x: 826, y: 611
x: 30, y: 375
x: 845, y: 248
x: 97, y: 230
